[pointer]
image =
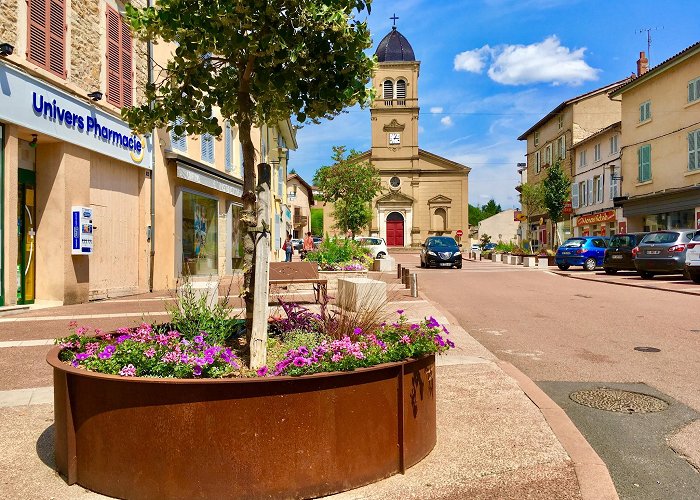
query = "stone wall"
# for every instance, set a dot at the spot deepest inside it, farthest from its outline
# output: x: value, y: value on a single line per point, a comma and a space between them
x: 86, y: 44
x: 8, y: 21
x: 141, y: 62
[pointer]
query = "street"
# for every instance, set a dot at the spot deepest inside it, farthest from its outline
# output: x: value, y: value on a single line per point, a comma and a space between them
x: 570, y: 334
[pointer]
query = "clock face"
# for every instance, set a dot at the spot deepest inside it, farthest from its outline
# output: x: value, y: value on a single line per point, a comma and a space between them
x: 394, y: 138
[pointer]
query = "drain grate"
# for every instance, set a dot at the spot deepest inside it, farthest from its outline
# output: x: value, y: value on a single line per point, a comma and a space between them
x: 618, y: 400
x: 647, y: 349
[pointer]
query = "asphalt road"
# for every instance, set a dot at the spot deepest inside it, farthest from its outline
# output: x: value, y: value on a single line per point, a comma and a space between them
x: 569, y: 335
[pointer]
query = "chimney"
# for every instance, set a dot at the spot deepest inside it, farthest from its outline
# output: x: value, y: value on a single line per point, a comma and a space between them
x: 642, y: 64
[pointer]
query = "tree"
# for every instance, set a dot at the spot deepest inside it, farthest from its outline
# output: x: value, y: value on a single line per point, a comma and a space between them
x: 258, y: 62
x: 491, y: 209
x: 556, y: 193
x: 532, y: 199
x: 477, y: 214
x: 350, y: 184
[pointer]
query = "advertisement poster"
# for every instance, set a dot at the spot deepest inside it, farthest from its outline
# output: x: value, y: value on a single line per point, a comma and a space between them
x: 199, y: 234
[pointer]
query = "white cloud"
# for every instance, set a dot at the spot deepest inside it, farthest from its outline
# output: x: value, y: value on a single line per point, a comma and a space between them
x: 544, y: 62
x: 472, y: 61
x: 436, y: 109
x: 446, y: 121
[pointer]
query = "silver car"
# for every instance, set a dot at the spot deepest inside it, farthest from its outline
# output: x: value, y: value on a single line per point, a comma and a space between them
x: 662, y: 252
x: 692, y: 259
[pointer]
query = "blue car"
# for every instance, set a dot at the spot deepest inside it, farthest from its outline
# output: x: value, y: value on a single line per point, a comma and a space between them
x: 586, y: 251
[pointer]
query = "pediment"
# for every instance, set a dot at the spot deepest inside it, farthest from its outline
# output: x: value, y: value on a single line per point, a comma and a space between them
x: 394, y: 126
x: 395, y: 197
x: 439, y: 200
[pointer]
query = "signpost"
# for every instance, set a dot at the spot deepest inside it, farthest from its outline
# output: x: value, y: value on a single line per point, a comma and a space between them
x: 459, y: 233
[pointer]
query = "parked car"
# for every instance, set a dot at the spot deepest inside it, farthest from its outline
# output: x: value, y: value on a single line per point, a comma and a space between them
x: 618, y: 256
x: 586, y: 251
x: 297, y: 244
x: 441, y: 251
x: 317, y: 241
x: 489, y: 246
x: 476, y: 247
x: 375, y: 244
x: 692, y: 258
x: 662, y: 252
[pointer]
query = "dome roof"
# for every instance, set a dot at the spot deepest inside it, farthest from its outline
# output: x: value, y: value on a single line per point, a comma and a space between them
x: 394, y: 47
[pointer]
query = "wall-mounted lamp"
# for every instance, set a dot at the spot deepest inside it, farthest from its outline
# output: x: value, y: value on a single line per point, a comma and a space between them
x: 34, y: 141
x: 6, y: 49
x: 95, y: 96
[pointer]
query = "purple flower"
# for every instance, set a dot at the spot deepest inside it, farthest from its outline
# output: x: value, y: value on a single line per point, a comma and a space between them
x: 198, y: 339
x: 150, y: 352
x: 415, y: 326
x: 445, y: 330
x: 262, y: 371
x: 196, y: 370
x: 303, y: 351
x: 432, y: 323
x: 439, y: 341
x: 357, y: 331
x: 122, y: 338
x: 450, y: 343
x: 400, y: 311
x: 299, y: 361
x: 82, y: 356
x: 105, y: 354
x: 128, y: 371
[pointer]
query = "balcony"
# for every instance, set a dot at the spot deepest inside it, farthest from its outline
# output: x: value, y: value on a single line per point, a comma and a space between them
x: 395, y: 103
x: 300, y: 220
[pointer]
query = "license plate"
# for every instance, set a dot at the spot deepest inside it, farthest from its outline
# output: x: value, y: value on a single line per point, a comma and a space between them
x: 653, y: 252
x: 617, y: 257
x: 566, y: 253
x: 445, y: 264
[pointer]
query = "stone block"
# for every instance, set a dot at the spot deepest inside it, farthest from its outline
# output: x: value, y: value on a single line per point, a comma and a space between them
x: 355, y: 294
x: 529, y: 261
x: 385, y: 265
x: 497, y: 257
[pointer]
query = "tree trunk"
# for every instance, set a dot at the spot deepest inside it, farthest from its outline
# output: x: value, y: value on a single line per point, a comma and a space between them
x: 258, y: 339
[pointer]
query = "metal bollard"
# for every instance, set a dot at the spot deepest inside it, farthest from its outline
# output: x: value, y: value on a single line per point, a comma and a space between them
x: 405, y: 278
x: 398, y: 271
x: 414, y: 285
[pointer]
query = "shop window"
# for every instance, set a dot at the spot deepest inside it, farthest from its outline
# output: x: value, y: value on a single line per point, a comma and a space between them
x: 119, y: 51
x: 644, y: 163
x: 199, y: 234
x: 46, y: 37
x: 694, y: 150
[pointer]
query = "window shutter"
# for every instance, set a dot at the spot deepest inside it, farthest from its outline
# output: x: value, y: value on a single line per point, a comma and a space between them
x: 37, y: 45
x: 207, y: 148
x: 589, y: 188
x: 401, y: 92
x: 574, y: 195
x: 388, y: 89
x: 126, y: 74
x: 114, y: 70
x: 57, y: 37
x: 646, y: 160
x: 227, y: 146
x: 46, y: 45
x: 601, y: 193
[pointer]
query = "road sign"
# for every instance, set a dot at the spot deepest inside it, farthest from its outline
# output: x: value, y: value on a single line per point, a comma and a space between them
x: 459, y: 232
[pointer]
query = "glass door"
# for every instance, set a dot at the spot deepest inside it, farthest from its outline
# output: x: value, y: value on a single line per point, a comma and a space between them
x: 26, y: 237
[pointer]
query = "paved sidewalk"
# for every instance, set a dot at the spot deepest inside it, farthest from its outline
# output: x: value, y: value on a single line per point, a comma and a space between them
x: 498, y: 435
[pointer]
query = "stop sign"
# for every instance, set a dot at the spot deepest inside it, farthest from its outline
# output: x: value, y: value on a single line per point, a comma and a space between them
x: 459, y: 232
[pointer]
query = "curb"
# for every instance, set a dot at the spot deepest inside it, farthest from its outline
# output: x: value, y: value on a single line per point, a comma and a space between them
x: 646, y: 287
x: 592, y: 474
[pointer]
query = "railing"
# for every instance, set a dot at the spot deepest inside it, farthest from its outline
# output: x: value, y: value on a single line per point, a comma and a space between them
x: 391, y: 103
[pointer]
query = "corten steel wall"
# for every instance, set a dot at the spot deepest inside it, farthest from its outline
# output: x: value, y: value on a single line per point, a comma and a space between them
x: 281, y: 437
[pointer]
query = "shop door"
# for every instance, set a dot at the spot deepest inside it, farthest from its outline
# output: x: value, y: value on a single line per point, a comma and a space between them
x: 114, y: 199
x: 394, y: 230
x: 26, y: 237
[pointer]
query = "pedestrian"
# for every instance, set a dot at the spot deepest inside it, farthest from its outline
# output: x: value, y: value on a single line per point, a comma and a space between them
x: 287, y: 247
x: 308, y: 245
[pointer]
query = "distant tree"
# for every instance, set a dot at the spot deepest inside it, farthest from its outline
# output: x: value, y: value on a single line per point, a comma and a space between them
x: 350, y: 184
x: 477, y: 214
x: 317, y: 221
x: 485, y: 239
x: 293, y: 171
x: 491, y: 209
x: 532, y: 199
x: 556, y: 192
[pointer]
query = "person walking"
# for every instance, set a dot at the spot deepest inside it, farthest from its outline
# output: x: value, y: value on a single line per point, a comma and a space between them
x: 287, y: 247
x: 308, y: 245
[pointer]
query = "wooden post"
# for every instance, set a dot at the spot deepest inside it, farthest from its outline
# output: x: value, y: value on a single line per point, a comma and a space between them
x: 258, y: 339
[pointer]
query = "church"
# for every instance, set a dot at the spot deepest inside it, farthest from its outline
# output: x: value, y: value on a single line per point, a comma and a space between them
x: 423, y: 194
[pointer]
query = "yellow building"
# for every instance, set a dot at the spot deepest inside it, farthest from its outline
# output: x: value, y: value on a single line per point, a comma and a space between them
x: 423, y: 194
x: 63, y: 145
x: 551, y: 138
x: 661, y: 144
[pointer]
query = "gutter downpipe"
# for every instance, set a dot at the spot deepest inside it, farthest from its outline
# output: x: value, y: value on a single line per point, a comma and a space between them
x: 154, y: 141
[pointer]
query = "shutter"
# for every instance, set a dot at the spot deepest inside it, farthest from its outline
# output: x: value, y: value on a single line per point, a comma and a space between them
x: 388, y: 89
x: 114, y: 70
x: 401, y: 92
x: 601, y: 188
x: 37, y: 45
x: 574, y: 195
x: 126, y: 73
x: 589, y: 188
x: 691, y: 151
x: 57, y: 37
x: 227, y: 146
x: 646, y: 161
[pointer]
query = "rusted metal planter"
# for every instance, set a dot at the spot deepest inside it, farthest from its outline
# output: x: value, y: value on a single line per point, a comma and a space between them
x: 278, y: 437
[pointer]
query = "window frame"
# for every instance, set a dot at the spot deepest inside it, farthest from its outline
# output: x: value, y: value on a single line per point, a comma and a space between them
x: 548, y: 154
x: 614, y: 184
x: 614, y: 144
x: 538, y: 162
x: 598, y: 188
x: 582, y: 160
x: 583, y: 194
x: 207, y: 148
x: 177, y: 140
x: 596, y: 152
x: 574, y: 195
x: 536, y: 138
x: 694, y: 84
x: 694, y: 137
x: 645, y: 111
x: 561, y: 147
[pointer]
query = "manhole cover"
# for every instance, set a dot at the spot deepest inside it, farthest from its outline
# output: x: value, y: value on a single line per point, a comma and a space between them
x: 647, y: 349
x: 618, y: 400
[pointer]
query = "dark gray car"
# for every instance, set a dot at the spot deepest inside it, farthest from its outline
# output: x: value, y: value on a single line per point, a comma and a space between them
x: 662, y: 252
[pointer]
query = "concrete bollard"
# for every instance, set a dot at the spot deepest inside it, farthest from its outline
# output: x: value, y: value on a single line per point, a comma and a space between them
x: 405, y: 279
x: 414, y: 285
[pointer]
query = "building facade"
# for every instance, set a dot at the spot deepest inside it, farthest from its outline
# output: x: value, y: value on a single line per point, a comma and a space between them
x: 75, y: 179
x: 661, y: 144
x: 423, y: 194
x: 502, y: 226
x: 550, y: 140
x: 596, y: 182
x: 301, y: 198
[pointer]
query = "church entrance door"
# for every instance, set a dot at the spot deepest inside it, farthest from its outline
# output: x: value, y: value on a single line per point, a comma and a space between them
x: 394, y: 230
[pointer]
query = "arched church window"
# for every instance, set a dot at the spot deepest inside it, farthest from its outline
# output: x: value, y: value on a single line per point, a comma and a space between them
x: 401, y: 93
x: 388, y: 92
x: 440, y: 219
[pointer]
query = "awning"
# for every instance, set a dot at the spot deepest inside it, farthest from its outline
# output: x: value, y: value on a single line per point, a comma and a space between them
x: 686, y: 198
x: 204, y: 175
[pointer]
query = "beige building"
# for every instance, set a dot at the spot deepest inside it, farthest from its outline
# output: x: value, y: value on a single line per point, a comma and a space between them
x: 596, y: 183
x: 661, y: 144
x: 75, y: 180
x: 500, y: 227
x: 550, y: 139
x: 423, y: 194
x: 301, y: 198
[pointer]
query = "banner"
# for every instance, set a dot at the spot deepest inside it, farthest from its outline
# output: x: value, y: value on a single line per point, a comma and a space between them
x: 585, y: 220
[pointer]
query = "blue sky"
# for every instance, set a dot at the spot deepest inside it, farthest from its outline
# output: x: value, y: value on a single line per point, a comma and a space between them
x: 490, y: 69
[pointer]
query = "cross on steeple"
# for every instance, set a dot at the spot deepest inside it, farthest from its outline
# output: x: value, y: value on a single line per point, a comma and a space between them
x: 394, y: 18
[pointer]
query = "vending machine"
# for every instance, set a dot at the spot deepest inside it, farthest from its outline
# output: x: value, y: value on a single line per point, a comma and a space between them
x: 82, y: 230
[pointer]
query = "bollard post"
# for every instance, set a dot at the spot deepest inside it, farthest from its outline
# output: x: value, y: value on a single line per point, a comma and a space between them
x: 398, y: 271
x: 414, y: 285
x: 405, y: 277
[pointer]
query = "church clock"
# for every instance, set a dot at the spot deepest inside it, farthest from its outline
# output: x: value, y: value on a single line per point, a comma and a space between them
x: 394, y: 138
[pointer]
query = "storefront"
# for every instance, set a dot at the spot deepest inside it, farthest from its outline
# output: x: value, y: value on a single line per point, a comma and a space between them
x: 61, y: 152
x: 679, y: 209
x: 605, y: 223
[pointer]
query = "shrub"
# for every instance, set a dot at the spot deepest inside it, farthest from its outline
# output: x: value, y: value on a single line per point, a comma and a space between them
x: 336, y: 254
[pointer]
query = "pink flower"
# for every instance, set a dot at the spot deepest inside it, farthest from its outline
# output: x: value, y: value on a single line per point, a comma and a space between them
x: 336, y: 357
x: 128, y: 371
x: 400, y: 311
x: 405, y: 339
x: 150, y: 352
x: 262, y: 371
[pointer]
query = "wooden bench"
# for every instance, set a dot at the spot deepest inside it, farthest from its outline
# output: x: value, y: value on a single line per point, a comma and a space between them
x: 291, y: 273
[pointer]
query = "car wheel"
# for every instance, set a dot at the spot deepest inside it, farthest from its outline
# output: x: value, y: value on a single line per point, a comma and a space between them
x: 589, y: 264
x: 459, y: 266
x: 646, y: 275
x: 422, y: 264
x: 563, y: 267
x: 610, y: 271
x: 695, y: 277
x: 381, y: 255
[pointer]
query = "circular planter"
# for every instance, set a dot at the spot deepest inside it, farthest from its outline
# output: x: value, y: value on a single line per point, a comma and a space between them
x: 277, y: 437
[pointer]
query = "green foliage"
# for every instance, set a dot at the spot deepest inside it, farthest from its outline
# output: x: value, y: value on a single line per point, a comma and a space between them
x: 335, y: 254
x: 317, y: 221
x: 485, y: 239
x: 556, y: 191
x: 502, y: 247
x: 350, y: 184
x: 532, y: 197
x: 477, y: 214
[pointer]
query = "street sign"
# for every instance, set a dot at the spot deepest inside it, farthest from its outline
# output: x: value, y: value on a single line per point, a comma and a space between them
x: 459, y: 232
x: 568, y: 208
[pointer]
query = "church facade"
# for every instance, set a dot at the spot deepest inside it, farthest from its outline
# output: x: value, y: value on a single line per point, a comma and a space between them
x: 423, y: 194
